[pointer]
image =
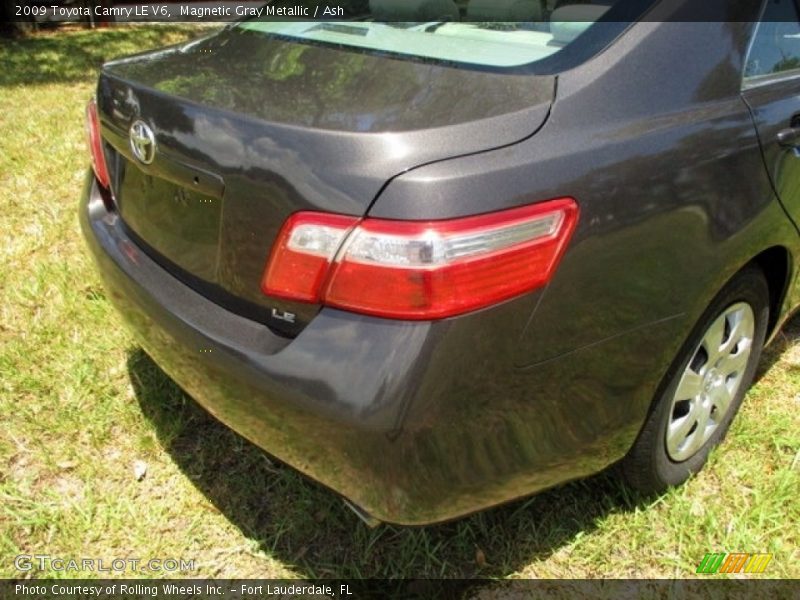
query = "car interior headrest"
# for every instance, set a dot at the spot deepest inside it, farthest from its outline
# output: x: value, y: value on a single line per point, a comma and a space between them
x: 414, y: 10
x: 504, y: 10
x: 568, y: 22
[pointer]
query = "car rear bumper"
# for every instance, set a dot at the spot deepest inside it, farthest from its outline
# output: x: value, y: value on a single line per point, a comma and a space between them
x: 413, y: 422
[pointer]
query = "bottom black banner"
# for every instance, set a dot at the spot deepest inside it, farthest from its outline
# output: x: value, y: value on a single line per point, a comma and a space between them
x: 258, y: 589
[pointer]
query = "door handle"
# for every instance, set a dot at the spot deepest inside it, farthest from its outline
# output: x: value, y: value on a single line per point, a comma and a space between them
x: 789, y: 137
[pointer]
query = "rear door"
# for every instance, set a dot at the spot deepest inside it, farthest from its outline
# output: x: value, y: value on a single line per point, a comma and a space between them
x: 771, y: 87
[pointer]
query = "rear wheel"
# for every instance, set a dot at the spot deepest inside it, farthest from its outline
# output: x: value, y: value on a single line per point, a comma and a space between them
x: 703, y: 388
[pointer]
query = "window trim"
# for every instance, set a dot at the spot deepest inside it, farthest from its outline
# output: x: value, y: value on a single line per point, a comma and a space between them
x: 770, y: 78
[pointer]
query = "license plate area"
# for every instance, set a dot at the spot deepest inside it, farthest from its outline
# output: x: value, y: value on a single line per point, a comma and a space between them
x: 179, y: 222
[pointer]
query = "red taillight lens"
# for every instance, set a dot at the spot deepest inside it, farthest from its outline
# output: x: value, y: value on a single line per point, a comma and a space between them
x: 96, y: 145
x: 420, y: 270
x: 302, y: 254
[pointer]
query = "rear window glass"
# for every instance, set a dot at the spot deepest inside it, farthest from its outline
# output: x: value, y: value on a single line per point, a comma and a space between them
x: 491, y: 33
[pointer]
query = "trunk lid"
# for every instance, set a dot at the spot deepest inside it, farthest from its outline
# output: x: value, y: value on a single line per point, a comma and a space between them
x: 249, y: 129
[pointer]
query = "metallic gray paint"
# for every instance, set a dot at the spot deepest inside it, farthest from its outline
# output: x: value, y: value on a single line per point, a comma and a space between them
x: 403, y: 418
x: 421, y: 422
x: 279, y: 127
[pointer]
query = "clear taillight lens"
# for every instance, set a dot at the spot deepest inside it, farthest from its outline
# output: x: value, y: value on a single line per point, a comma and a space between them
x: 96, y: 145
x: 419, y: 270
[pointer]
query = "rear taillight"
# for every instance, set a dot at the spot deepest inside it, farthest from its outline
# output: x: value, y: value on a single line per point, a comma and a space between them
x: 302, y: 255
x: 96, y: 145
x: 419, y: 270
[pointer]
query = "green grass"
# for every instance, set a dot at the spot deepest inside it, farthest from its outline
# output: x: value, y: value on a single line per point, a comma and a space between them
x: 80, y: 403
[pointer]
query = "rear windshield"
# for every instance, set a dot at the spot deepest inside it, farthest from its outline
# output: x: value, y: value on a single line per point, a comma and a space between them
x: 489, y: 33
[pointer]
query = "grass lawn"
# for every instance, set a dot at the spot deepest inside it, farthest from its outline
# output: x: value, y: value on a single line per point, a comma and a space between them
x: 81, y: 404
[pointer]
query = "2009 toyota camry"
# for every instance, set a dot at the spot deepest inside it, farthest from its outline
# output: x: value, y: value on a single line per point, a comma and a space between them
x: 439, y: 256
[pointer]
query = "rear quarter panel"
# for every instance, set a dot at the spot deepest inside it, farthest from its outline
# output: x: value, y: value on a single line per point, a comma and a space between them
x: 655, y: 142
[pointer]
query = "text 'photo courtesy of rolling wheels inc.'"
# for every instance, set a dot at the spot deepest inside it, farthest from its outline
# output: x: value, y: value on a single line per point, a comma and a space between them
x: 399, y: 299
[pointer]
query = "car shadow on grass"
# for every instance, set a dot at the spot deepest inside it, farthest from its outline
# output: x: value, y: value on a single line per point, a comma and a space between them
x: 309, y: 530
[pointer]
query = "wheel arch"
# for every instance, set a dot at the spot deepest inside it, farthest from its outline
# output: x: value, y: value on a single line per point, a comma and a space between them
x: 775, y: 263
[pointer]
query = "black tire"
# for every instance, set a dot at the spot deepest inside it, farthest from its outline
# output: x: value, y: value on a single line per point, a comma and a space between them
x: 649, y: 467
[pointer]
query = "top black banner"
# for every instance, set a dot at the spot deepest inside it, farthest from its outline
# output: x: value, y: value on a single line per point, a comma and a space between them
x: 401, y: 11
